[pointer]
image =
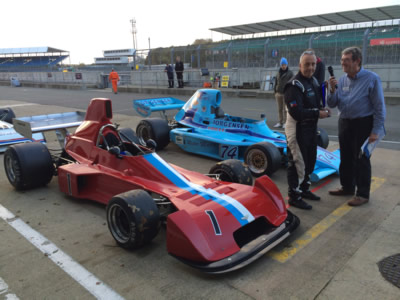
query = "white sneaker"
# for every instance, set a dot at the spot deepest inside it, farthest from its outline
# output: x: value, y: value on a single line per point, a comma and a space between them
x: 283, y: 126
x: 278, y: 125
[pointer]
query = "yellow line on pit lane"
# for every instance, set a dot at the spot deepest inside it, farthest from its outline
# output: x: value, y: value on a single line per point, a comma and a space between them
x: 317, y: 229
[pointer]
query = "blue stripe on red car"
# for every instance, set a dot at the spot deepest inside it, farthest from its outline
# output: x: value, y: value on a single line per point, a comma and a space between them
x: 242, y: 215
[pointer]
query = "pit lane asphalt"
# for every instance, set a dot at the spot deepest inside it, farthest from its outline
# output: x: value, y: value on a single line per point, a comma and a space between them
x: 333, y: 254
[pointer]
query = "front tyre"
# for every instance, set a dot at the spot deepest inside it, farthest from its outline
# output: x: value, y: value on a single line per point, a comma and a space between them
x: 133, y: 219
x: 28, y: 165
x: 153, y: 128
x: 6, y: 115
x: 323, y: 138
x: 262, y: 158
x: 232, y: 170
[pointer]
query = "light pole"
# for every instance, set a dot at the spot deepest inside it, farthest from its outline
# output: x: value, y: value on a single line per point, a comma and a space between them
x: 134, y: 31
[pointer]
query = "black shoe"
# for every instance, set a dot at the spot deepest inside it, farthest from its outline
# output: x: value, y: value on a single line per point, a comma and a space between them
x: 300, y: 203
x: 310, y: 196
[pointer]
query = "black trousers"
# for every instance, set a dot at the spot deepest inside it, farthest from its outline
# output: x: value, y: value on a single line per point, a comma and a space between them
x: 179, y: 76
x: 355, y: 169
x: 171, y: 80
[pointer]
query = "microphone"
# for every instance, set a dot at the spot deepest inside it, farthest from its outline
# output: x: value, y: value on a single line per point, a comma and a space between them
x: 330, y: 70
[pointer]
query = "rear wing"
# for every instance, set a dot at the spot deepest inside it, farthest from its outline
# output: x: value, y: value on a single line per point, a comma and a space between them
x: 145, y: 107
x: 27, y: 126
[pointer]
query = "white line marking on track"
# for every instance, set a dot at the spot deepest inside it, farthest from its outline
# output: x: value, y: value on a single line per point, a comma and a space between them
x: 4, y: 289
x: 15, y: 105
x: 86, y: 279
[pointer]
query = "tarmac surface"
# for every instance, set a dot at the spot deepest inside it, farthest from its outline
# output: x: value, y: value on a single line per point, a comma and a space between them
x: 68, y: 253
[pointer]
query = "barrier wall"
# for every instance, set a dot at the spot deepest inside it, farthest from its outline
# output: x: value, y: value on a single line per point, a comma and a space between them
x: 260, y: 78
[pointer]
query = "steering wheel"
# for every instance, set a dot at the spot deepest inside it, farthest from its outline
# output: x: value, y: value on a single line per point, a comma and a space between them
x: 102, y: 138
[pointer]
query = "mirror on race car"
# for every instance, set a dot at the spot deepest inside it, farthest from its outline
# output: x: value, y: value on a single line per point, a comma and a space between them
x: 151, y: 144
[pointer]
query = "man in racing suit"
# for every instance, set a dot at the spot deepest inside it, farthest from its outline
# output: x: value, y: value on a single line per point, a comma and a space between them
x: 303, y: 101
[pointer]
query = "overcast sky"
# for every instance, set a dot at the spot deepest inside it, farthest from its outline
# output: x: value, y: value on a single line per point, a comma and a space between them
x: 86, y: 27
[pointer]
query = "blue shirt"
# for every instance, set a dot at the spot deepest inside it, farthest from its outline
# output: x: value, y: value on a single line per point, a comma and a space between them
x: 360, y: 97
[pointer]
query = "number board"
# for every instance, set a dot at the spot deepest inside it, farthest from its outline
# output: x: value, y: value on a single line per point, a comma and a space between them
x: 228, y: 152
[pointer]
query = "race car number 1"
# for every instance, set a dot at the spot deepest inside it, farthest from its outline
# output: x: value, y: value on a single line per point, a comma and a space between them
x: 228, y: 152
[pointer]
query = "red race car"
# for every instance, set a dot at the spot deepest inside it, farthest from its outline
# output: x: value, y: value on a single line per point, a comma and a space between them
x: 216, y: 224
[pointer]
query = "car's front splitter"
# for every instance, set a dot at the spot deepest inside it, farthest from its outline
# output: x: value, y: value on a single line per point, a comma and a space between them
x: 249, y: 252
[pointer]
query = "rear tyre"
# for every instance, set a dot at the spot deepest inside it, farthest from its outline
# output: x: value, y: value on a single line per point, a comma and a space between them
x: 28, y: 165
x: 6, y: 115
x: 153, y: 128
x: 262, y: 158
x: 133, y: 219
x: 232, y: 170
x: 323, y: 138
x: 128, y: 135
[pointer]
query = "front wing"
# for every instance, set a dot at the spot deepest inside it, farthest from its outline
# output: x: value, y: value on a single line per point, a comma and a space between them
x: 248, y: 252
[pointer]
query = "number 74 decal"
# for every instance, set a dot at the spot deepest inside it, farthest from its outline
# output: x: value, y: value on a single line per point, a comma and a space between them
x: 228, y: 152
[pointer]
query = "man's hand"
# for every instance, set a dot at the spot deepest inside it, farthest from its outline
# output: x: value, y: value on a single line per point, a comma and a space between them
x: 372, y: 138
x: 324, y: 113
x: 333, y: 84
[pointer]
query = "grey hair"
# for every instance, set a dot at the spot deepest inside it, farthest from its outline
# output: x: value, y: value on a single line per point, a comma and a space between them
x: 355, y: 53
x: 307, y: 52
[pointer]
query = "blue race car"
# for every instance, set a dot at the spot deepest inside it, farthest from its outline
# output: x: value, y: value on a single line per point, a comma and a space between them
x: 201, y: 127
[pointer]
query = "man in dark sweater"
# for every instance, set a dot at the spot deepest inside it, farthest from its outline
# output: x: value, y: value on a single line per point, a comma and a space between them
x: 179, y: 71
x: 170, y: 73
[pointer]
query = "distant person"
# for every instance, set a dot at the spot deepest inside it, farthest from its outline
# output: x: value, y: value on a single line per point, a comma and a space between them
x: 283, y: 76
x: 170, y: 74
x: 358, y: 95
x: 320, y: 71
x: 179, y: 71
x: 113, y: 77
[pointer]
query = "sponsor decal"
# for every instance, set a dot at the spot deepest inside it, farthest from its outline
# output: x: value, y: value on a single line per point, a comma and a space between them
x: 384, y: 42
x: 179, y: 140
x: 230, y: 124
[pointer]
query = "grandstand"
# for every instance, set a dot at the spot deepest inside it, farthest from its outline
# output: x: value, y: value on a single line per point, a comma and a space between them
x: 261, y: 45
x: 116, y: 57
x: 31, y: 59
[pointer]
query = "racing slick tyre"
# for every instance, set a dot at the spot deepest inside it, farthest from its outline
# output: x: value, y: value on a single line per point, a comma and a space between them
x: 28, y: 165
x: 262, y: 158
x: 133, y: 219
x: 128, y: 135
x: 323, y: 138
x: 6, y: 115
x: 232, y: 170
x: 153, y: 128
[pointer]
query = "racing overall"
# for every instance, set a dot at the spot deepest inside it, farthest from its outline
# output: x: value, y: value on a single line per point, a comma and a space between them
x: 114, y: 78
x: 303, y: 101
